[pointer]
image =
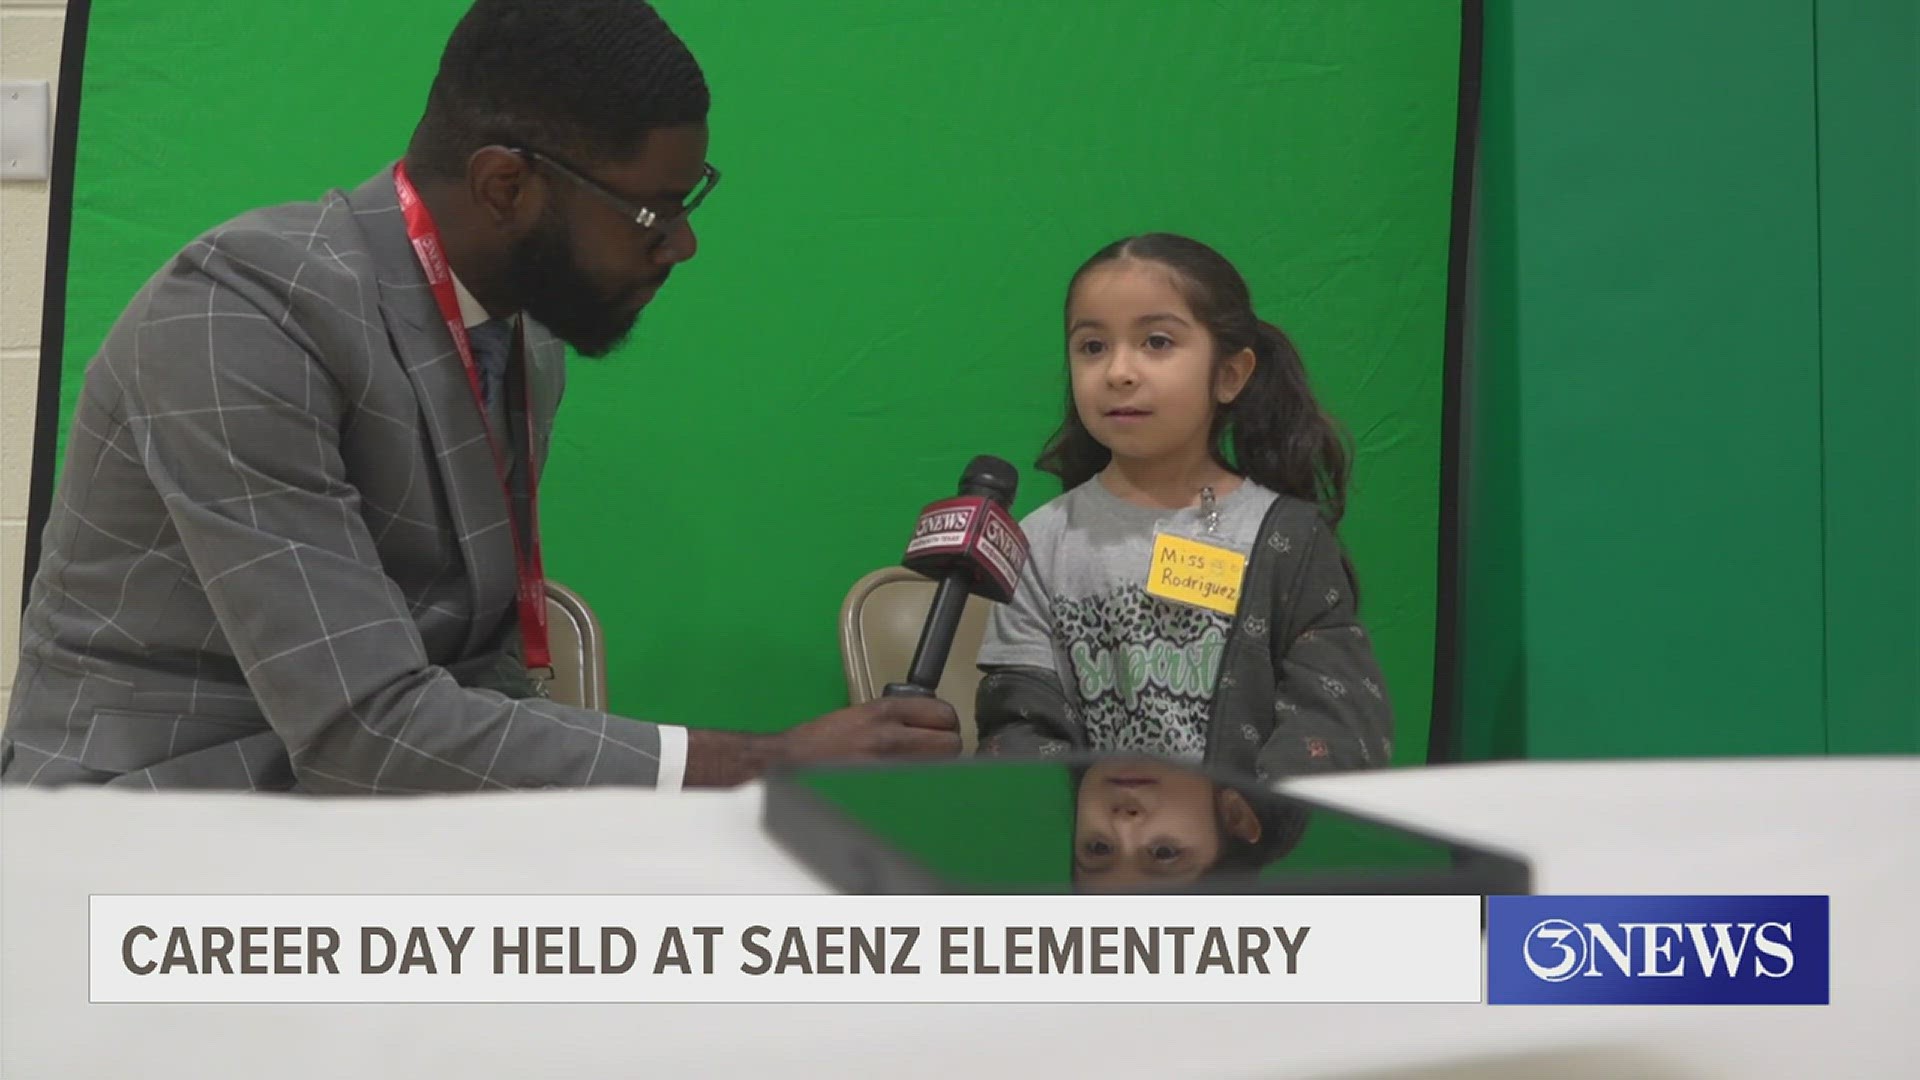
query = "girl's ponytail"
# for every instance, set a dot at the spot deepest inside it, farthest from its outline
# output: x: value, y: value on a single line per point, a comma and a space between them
x: 1280, y: 436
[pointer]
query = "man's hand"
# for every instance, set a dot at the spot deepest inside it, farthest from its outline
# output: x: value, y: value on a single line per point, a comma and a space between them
x: 881, y: 730
x: 887, y: 728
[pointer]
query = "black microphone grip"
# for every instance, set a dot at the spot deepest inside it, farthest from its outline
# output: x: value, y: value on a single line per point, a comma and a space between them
x: 936, y: 637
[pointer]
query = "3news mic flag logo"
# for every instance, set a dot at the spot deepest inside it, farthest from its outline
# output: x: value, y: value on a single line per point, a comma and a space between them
x: 1657, y: 950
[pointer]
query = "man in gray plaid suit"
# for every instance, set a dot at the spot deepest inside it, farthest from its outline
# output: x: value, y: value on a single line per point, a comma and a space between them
x: 282, y: 556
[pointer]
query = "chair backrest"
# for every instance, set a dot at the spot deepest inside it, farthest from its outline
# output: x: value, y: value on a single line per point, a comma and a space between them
x: 579, y: 653
x: 880, y: 625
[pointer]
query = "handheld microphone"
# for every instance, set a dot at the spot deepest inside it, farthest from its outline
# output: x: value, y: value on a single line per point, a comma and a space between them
x: 971, y: 545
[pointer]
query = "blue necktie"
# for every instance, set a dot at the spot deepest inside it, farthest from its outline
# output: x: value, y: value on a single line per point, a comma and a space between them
x: 492, y: 343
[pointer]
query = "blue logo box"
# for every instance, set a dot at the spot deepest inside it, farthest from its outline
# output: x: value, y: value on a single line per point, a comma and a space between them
x: 1657, y: 950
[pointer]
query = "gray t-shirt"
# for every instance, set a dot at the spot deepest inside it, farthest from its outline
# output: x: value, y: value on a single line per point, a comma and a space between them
x: 1143, y: 667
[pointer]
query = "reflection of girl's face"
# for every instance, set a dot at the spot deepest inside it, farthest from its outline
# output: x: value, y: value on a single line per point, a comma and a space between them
x: 1148, y: 823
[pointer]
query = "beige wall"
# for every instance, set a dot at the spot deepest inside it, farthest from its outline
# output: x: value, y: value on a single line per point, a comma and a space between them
x: 29, y: 49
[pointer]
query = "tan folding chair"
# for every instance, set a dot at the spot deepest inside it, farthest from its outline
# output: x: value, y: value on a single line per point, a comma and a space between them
x: 579, y: 653
x: 880, y: 625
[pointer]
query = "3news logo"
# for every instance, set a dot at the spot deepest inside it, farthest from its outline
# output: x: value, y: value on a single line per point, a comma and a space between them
x: 1657, y: 950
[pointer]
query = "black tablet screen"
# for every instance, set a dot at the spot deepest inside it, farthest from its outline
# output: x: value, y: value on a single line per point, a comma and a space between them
x: 1109, y: 825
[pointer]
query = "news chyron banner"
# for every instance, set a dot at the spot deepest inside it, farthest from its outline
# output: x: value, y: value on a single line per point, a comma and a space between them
x: 777, y: 949
x: 1538, y: 950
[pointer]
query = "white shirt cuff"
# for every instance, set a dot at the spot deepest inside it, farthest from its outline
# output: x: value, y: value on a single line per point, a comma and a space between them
x: 673, y: 758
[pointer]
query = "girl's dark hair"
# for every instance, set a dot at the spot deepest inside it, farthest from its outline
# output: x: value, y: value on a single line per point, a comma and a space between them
x: 1278, y: 435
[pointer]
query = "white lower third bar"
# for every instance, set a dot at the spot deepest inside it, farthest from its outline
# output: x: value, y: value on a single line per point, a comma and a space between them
x: 777, y: 949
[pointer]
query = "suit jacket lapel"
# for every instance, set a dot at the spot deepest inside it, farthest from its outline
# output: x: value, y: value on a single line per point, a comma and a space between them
x: 462, y: 452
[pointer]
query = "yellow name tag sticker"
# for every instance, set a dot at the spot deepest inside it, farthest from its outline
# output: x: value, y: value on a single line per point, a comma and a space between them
x: 1197, y: 573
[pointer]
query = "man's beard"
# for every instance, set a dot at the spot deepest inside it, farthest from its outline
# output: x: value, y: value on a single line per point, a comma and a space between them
x: 543, y: 276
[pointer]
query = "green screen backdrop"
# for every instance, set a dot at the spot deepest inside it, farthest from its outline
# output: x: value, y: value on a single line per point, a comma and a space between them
x: 878, y: 292
x: 1694, y: 475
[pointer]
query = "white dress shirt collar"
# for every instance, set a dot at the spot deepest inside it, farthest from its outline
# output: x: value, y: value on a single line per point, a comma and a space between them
x: 472, y: 313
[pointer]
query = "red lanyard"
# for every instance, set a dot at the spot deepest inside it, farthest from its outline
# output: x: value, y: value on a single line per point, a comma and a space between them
x: 526, y: 557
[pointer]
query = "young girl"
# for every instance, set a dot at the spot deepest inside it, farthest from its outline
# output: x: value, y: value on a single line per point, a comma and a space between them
x: 1144, y: 824
x: 1179, y: 602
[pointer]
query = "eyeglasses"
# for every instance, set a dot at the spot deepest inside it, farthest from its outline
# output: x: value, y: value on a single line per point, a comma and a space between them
x: 661, y: 221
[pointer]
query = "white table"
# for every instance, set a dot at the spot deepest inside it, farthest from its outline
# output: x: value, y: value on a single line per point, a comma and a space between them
x: 1834, y: 826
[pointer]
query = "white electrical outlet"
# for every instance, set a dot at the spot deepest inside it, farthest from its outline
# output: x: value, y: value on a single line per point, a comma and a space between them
x: 26, y: 131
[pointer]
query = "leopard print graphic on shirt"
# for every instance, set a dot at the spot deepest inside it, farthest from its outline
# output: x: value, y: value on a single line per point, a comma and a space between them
x: 1145, y: 669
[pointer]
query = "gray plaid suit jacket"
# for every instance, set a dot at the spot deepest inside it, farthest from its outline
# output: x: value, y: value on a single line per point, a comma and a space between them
x: 279, y: 557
